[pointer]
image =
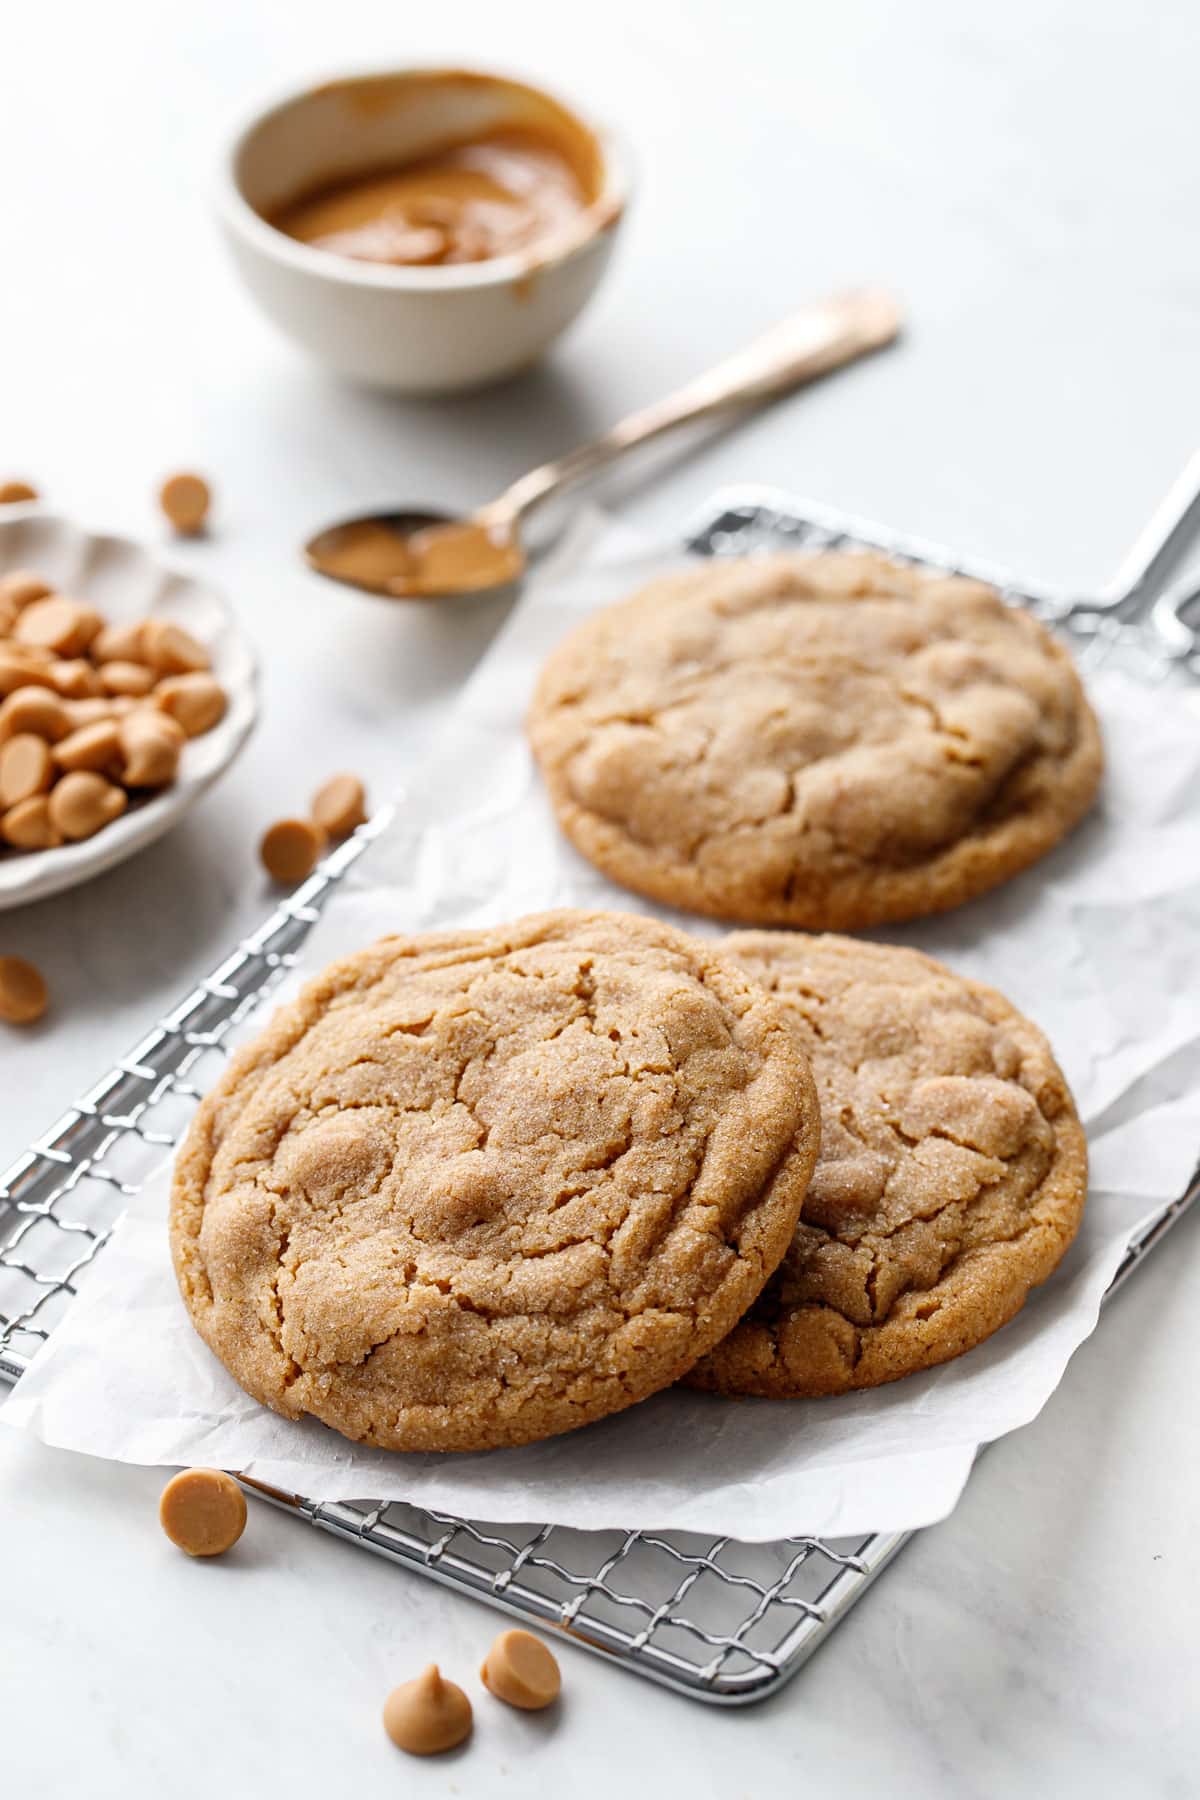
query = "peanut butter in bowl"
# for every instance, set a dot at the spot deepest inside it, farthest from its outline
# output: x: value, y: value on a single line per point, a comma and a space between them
x: 424, y: 230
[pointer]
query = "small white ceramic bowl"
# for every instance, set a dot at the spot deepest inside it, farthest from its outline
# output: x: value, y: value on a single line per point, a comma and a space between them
x: 124, y: 581
x: 414, y: 330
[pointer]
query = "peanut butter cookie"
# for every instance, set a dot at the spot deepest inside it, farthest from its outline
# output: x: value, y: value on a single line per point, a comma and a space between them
x: 474, y: 1188
x: 825, y: 741
x: 952, y: 1175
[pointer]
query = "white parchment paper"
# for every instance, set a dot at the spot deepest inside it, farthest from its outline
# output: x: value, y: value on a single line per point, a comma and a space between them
x: 1100, y: 943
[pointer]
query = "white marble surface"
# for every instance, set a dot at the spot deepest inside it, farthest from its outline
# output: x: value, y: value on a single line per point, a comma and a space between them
x: 1026, y: 176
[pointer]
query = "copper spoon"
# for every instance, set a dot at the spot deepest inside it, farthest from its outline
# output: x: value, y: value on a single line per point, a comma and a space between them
x: 426, y: 555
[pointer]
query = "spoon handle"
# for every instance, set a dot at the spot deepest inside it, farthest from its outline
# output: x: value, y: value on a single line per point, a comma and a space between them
x: 818, y: 338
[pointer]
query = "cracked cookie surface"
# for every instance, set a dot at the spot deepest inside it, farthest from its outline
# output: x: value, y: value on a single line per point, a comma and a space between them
x: 952, y: 1175
x: 474, y: 1188
x: 826, y: 741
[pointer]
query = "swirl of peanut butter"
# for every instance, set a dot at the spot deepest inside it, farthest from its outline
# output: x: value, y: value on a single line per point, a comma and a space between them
x: 495, y: 194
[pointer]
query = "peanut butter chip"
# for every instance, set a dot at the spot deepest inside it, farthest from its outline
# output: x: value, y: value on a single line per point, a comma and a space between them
x: 521, y: 1670
x: 18, y: 669
x: 122, y: 677
x: 12, y: 491
x: 26, y: 826
x: 427, y: 1715
x: 22, y: 585
x: 120, y: 643
x: 203, y: 1511
x: 82, y: 802
x: 290, y: 849
x: 107, y: 706
x: 64, y: 626
x: 340, y: 805
x: 185, y: 499
x: 23, y: 995
x: 75, y: 679
x: 196, y: 701
x: 34, y: 709
x: 150, y: 743
x: 95, y: 746
x: 170, y: 649
x: 26, y: 768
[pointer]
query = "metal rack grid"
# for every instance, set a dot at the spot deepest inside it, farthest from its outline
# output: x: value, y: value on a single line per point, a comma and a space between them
x: 723, y: 1621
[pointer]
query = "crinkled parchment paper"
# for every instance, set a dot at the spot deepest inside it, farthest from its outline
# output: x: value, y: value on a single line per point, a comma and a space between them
x: 1100, y: 943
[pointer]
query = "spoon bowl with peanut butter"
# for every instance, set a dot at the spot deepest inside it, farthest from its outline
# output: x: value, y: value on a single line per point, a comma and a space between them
x: 415, y: 554
x: 419, y: 555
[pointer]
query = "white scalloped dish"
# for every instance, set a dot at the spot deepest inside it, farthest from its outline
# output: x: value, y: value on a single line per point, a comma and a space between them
x: 124, y: 580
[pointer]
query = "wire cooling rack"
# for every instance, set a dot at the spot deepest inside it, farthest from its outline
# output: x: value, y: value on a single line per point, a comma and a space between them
x: 720, y: 1620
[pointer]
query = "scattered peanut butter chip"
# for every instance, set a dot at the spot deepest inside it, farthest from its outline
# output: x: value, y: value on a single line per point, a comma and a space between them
x: 96, y: 746
x: 427, y: 1715
x: 520, y: 1669
x: 340, y: 805
x: 26, y: 826
x: 185, y: 499
x: 23, y: 994
x: 82, y: 802
x: 203, y: 1511
x: 34, y: 709
x: 64, y: 626
x: 170, y: 649
x: 26, y: 768
x: 125, y: 678
x: 290, y: 850
x: 195, y: 701
x: 22, y: 586
x: 12, y: 491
